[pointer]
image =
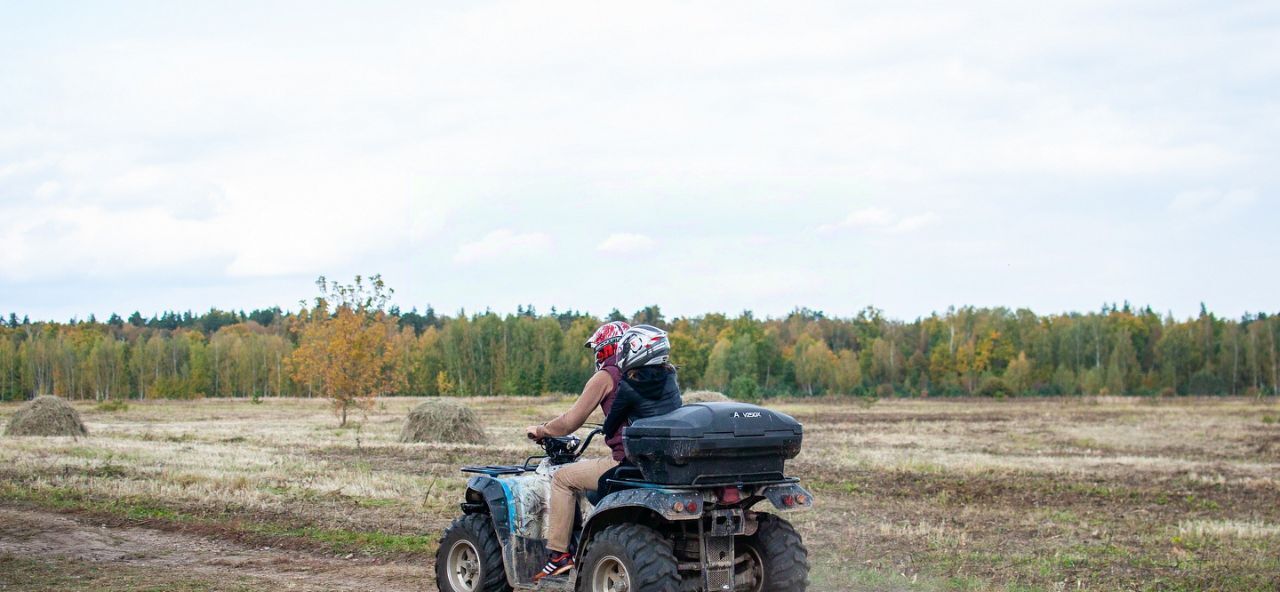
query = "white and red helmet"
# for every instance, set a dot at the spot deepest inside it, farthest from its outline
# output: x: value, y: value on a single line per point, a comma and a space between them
x: 605, y: 341
x: 643, y: 345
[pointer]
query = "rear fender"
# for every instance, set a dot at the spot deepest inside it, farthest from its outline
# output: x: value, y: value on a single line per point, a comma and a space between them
x: 643, y: 506
x: 776, y: 494
x: 662, y: 502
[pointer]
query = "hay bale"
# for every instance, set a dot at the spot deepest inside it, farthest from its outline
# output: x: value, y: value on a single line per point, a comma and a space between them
x: 443, y: 420
x: 46, y: 416
x: 704, y: 397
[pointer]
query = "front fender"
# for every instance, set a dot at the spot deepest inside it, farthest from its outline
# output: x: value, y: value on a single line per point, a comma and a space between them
x: 497, y: 496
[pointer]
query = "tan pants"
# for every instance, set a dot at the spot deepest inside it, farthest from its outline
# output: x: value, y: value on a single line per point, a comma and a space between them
x: 567, y: 482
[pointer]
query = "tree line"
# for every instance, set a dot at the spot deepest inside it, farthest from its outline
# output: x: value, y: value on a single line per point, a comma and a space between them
x: 1118, y: 350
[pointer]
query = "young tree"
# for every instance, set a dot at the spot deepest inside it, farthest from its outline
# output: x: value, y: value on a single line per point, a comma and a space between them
x: 815, y: 364
x: 848, y: 372
x: 731, y: 358
x: 1017, y: 376
x: 351, y: 355
x: 1122, y: 366
x: 1175, y: 351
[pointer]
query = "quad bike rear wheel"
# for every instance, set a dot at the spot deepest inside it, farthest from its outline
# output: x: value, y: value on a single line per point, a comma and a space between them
x: 777, y: 552
x: 628, y: 558
x: 469, y: 558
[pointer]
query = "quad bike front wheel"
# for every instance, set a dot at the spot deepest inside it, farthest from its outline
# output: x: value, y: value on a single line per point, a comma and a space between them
x: 469, y: 558
x: 628, y: 558
x: 777, y: 553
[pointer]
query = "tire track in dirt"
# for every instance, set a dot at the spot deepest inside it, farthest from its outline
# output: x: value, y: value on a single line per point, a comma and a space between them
x: 35, y: 534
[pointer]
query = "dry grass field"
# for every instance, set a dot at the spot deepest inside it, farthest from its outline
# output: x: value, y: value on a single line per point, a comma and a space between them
x: 1113, y: 494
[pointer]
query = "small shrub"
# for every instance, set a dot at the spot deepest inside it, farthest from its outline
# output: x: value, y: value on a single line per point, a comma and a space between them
x: 1168, y: 392
x: 1206, y: 383
x: 745, y: 388
x: 884, y: 391
x: 113, y: 405
x: 1269, y: 419
x: 993, y: 386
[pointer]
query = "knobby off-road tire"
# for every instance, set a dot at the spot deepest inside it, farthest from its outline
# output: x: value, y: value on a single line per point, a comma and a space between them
x: 646, y: 556
x: 489, y: 575
x: 780, y: 548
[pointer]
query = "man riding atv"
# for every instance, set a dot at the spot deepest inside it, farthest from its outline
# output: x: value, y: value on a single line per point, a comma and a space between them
x: 633, y: 380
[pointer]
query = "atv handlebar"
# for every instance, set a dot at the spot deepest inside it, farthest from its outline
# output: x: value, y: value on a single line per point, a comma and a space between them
x: 587, y: 442
x: 564, y: 449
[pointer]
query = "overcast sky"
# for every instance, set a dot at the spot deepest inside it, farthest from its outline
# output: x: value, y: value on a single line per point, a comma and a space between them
x: 701, y: 156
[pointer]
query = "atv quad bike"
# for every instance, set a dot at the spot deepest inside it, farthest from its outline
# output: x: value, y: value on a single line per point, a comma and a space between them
x: 682, y: 516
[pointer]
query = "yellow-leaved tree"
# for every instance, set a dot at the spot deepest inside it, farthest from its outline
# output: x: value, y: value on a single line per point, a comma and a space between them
x: 347, y: 347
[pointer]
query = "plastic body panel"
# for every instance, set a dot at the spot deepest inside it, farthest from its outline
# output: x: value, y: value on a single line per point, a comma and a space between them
x: 517, y: 504
x: 801, y: 499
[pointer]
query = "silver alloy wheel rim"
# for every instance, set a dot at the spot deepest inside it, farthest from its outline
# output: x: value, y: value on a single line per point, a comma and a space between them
x: 464, y: 567
x: 610, y: 575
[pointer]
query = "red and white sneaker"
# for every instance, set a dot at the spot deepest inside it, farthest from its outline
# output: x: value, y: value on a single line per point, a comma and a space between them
x: 557, y: 564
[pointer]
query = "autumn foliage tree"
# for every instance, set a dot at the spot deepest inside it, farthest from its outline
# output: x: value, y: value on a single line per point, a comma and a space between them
x: 379, y: 349
x: 349, y: 354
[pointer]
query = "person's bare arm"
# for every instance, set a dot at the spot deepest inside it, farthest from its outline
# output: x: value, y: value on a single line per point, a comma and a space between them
x: 594, y: 392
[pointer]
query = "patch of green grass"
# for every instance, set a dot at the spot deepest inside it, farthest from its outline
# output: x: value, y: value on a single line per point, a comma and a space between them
x: 835, y: 574
x: 375, y: 502
x: 113, y: 406
x: 27, y: 574
x: 274, y: 489
x: 144, y: 511
x: 1269, y: 419
x: 354, y: 541
x: 1063, y: 517
x: 844, y: 487
x: 335, y: 540
x: 1201, y: 503
x: 1092, y: 490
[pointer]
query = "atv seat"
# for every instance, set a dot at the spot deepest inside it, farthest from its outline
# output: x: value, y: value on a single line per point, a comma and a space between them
x: 623, y: 472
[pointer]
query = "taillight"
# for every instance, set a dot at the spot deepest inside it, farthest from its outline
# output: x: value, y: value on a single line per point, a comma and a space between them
x: 788, y: 500
x: 730, y: 495
x: 678, y: 506
x: 693, y: 507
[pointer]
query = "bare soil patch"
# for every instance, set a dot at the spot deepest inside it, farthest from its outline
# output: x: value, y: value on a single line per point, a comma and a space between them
x: 60, y: 538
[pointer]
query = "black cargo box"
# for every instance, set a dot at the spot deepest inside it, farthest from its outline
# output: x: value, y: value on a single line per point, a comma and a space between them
x: 713, y: 443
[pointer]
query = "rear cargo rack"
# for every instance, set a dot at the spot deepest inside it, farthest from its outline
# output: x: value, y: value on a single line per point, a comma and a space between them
x: 701, y: 485
x: 496, y: 470
x: 748, y: 478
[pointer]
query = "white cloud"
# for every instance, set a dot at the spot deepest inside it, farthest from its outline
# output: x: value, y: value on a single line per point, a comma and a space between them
x: 913, y: 223
x: 48, y: 189
x: 92, y: 242
x: 1214, y: 203
x: 503, y: 244
x: 625, y: 242
x: 881, y: 219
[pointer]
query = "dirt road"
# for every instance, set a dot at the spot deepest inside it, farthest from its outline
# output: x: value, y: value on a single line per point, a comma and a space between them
x: 63, y: 552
